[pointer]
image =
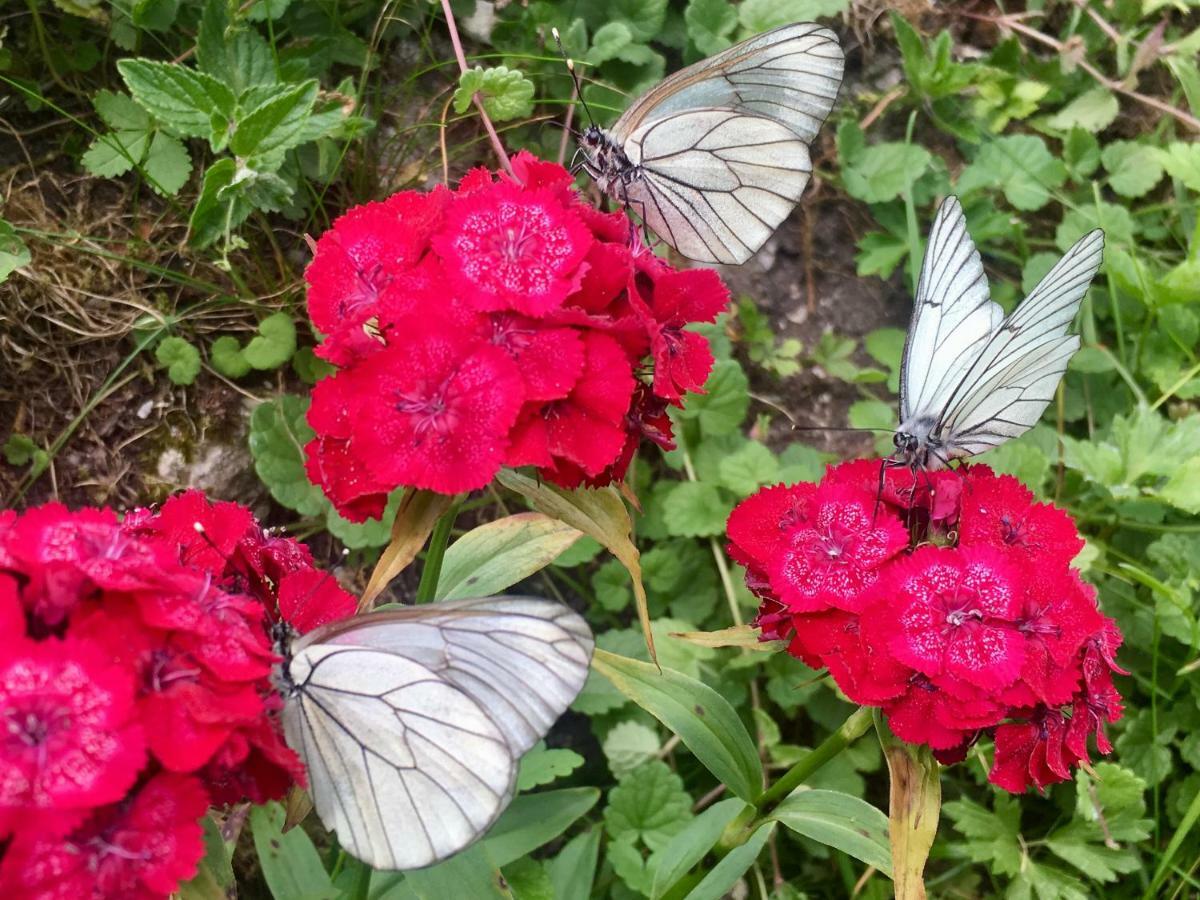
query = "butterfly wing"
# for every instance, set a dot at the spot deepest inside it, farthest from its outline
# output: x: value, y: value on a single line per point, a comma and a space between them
x: 722, y: 145
x: 411, y: 721
x: 1015, y: 375
x: 790, y: 74
x: 952, y: 320
x: 716, y: 183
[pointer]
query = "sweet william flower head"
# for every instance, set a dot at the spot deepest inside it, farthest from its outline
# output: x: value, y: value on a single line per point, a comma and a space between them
x: 997, y: 510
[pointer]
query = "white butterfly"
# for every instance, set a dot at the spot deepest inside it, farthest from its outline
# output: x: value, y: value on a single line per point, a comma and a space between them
x: 971, y: 378
x: 411, y: 721
x: 715, y: 157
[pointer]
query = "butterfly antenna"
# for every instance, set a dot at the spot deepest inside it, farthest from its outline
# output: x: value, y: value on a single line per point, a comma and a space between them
x: 574, y: 76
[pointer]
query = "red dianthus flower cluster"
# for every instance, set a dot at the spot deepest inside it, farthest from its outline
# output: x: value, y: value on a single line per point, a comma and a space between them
x: 948, y: 600
x: 505, y: 322
x: 135, y: 666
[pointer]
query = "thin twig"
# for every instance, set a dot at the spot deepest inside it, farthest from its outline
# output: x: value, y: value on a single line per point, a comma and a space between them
x: 1058, y: 46
x: 456, y: 42
x: 566, y: 135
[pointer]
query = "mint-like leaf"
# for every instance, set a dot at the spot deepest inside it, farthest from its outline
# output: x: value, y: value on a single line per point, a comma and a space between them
x: 180, y: 358
x: 506, y: 93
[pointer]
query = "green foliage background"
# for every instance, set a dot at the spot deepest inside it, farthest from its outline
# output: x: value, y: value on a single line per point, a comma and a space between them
x: 246, y: 118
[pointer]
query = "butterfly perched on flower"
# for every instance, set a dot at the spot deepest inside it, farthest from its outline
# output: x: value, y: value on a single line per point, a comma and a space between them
x: 972, y: 378
x: 715, y: 157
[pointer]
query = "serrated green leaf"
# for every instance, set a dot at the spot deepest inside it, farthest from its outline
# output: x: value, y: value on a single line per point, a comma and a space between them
x: 608, y: 42
x: 116, y: 153
x: 992, y: 837
x: 757, y: 16
x: 610, y: 585
x: 1081, y: 153
x: 1133, y: 169
x: 885, y: 171
x: 181, y: 359
x: 506, y: 93
x: 1182, y: 160
x: 1020, y: 166
x: 1093, y: 111
x: 722, y: 408
x: 309, y: 367
x: 167, y: 165
x: 696, y: 509
x: 276, y: 125
x: 1182, y: 489
x: 1118, y: 224
x: 644, y: 18
x: 749, y: 468
x: 648, y: 804
x: 542, y: 765
x: 710, y: 24
x: 120, y: 112
x: 215, y: 212
x: 182, y: 99
x: 13, y: 252
x: 496, y: 555
x: 278, y: 432
x: 1143, y: 750
x: 274, y: 344
x: 226, y: 357
x: 629, y: 744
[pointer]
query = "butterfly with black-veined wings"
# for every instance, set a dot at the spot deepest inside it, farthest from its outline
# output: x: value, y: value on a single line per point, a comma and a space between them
x: 716, y: 156
x: 411, y: 721
x: 970, y: 377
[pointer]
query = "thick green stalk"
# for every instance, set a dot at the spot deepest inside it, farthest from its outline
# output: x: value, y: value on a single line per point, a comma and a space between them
x: 851, y: 730
x: 432, y: 572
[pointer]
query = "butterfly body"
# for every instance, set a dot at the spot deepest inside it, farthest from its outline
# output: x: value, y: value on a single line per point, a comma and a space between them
x: 715, y: 157
x: 972, y: 378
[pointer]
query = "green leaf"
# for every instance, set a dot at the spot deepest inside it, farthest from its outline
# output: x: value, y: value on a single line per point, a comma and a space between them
x: 274, y: 344
x: 696, y: 509
x: 879, y: 252
x: 278, y: 432
x: 185, y: 101
x: 167, y: 165
x: 1080, y: 844
x: 607, y: 43
x: 1093, y: 111
x: 703, y: 719
x: 573, y: 871
x: 1081, y: 153
x: 290, y: 863
x: 886, y: 346
x: 992, y: 837
x: 20, y: 449
x: 180, y: 358
x: 496, y: 555
x: 692, y: 844
x: 648, y: 804
x: 1046, y: 883
x: 506, y: 93
x: 629, y: 744
x: 1182, y: 489
x: 749, y: 468
x: 471, y: 873
x: 1021, y: 166
x: 213, y: 213
x: 1145, y: 752
x: 13, y: 252
x: 874, y: 414
x: 1116, y: 221
x: 1182, y: 160
x: 885, y: 171
x: 644, y: 18
x: 582, y: 551
x: 528, y: 879
x: 120, y: 112
x: 275, y: 125
x: 532, y: 820
x: 541, y: 766
x: 1133, y: 169
x: 115, y: 154
x: 610, y: 584
x: 841, y: 821
x: 722, y: 408
x: 227, y: 358
x: 725, y: 874
x: 629, y: 863
x: 710, y: 24
x: 309, y: 367
x: 762, y: 15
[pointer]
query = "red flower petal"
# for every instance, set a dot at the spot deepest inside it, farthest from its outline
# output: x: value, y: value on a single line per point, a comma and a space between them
x: 310, y: 598
x: 436, y: 411
x: 550, y: 359
x: 997, y: 510
x: 758, y: 525
x: 69, y: 737
x: 508, y: 248
x: 837, y: 553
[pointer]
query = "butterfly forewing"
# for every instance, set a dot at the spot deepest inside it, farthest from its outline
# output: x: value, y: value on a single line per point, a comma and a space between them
x: 716, y: 156
x: 411, y: 721
x: 971, y: 378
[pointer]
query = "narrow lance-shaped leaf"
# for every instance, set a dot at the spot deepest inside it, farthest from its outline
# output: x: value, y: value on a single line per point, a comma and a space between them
x: 497, y: 555
x: 703, y: 719
x: 418, y: 513
x: 841, y: 821
x: 600, y: 514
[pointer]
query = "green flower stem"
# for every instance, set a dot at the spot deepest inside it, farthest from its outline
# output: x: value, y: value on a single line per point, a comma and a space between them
x: 432, y: 572
x: 851, y: 730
